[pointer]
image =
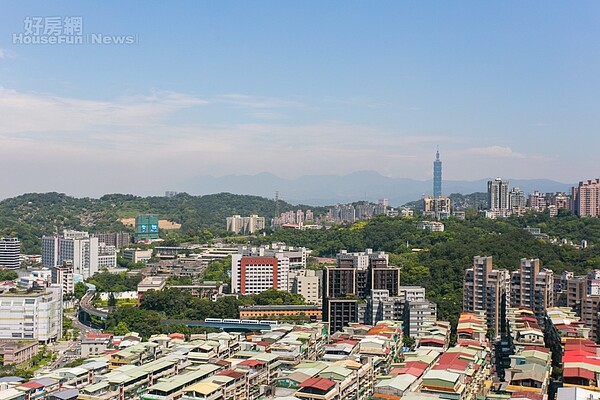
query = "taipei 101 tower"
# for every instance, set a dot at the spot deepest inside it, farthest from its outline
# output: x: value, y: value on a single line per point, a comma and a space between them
x: 437, y: 176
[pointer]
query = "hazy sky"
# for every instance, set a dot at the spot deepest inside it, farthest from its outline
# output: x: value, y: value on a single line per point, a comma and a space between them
x: 507, y: 89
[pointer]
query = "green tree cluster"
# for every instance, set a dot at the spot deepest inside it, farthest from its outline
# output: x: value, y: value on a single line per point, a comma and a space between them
x: 122, y: 282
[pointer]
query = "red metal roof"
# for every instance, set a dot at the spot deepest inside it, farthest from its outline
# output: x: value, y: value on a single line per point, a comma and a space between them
x: 537, y: 348
x: 452, y: 360
x: 433, y: 340
x: 32, y: 385
x: 526, y: 395
x: 578, y: 373
x: 231, y: 373
x: 318, y: 383
x: 251, y: 363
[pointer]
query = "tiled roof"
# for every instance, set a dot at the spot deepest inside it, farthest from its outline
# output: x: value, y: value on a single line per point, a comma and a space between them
x: 318, y: 383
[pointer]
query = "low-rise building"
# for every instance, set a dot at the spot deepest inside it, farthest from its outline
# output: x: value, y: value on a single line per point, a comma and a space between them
x: 18, y: 351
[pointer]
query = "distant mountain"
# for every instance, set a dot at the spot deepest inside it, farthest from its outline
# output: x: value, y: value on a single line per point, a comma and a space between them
x: 320, y: 190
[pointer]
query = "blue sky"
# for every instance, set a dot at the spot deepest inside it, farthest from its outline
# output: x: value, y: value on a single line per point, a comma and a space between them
x: 505, y: 89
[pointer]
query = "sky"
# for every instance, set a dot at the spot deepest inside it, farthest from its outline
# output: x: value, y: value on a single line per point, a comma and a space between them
x: 295, y: 88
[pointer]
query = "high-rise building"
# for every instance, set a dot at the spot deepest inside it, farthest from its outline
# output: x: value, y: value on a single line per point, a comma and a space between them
x: 417, y: 314
x: 498, y: 199
x: 487, y: 289
x: 245, y: 225
x: 516, y: 199
x: 348, y: 287
x: 532, y: 287
x: 87, y: 255
x: 10, y: 251
x: 586, y: 198
x: 437, y: 175
x: 63, y: 275
x: 255, y: 270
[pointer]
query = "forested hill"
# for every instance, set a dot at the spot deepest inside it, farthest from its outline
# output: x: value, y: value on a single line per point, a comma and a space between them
x: 30, y: 216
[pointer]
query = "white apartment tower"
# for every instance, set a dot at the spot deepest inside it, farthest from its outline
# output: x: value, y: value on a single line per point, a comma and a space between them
x: 498, y: 195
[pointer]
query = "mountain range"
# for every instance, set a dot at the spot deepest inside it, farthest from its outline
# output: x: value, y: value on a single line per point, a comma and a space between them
x: 321, y: 190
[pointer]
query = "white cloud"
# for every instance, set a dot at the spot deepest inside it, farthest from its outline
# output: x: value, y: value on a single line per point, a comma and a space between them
x: 31, y: 112
x: 244, y: 100
x: 5, y: 54
x: 495, y: 151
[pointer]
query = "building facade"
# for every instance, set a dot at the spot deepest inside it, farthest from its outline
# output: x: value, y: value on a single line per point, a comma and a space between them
x: 487, y: 289
x: 586, y: 198
x: 245, y: 225
x: 498, y: 195
x: 146, y: 227
x: 532, y: 287
x: 255, y: 272
x: 437, y: 176
x: 76, y: 246
x: 64, y: 276
x: 10, y: 251
x: 32, y: 314
x: 349, y: 288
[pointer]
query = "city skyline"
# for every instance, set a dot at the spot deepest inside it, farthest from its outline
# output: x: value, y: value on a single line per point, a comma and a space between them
x: 297, y: 89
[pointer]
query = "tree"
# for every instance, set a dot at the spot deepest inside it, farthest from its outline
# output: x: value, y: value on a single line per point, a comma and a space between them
x: 112, y: 302
x: 8, y: 275
x: 121, y: 329
x: 80, y: 290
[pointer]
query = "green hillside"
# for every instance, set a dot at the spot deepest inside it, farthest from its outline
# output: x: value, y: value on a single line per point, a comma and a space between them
x: 30, y: 216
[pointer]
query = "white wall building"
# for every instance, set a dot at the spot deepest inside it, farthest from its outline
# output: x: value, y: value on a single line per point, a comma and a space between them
x: 305, y: 282
x: 87, y: 254
x: 32, y: 315
x: 245, y: 225
x: 254, y: 272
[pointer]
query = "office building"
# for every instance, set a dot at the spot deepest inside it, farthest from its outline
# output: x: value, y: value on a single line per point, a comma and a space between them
x: 32, y: 314
x: 487, y: 289
x: 498, y: 195
x: 87, y: 255
x: 437, y: 175
x: 532, y: 287
x: 146, y: 228
x: 586, y: 198
x: 10, y: 251
x: 255, y: 270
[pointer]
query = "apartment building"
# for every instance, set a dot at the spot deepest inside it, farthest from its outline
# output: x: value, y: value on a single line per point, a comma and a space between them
x: 487, y: 289
x: 532, y: 287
